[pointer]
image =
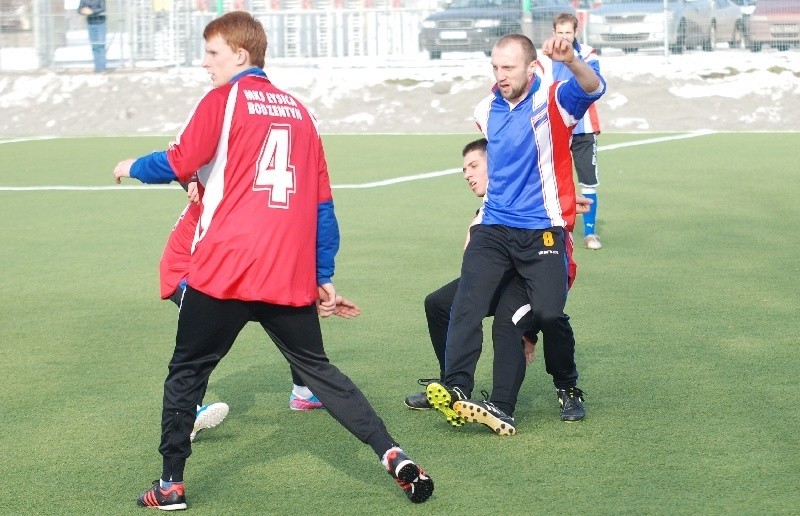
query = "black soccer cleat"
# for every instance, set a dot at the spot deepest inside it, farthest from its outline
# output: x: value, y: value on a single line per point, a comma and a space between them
x: 417, y: 486
x: 571, y: 401
x: 169, y: 499
x: 486, y: 413
x: 419, y: 401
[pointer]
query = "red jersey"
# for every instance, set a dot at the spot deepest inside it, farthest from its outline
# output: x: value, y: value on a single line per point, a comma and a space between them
x: 257, y: 152
x: 174, y: 264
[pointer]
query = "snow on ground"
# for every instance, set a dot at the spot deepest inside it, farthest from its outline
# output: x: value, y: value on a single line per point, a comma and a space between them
x: 728, y: 89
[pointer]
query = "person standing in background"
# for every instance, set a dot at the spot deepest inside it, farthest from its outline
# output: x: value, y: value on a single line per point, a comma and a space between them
x: 95, y: 12
x: 584, y: 135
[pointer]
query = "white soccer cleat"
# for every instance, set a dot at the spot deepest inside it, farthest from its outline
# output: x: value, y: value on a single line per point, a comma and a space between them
x: 208, y: 416
x: 592, y: 242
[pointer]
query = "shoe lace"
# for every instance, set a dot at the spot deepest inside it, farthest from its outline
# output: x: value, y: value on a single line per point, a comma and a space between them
x: 426, y: 381
x: 485, y: 395
x: 572, y: 393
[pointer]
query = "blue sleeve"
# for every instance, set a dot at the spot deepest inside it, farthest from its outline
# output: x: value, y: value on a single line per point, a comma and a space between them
x: 327, y: 241
x: 153, y: 169
x: 576, y: 101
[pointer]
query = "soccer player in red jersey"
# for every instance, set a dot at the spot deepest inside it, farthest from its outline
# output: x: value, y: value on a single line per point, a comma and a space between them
x: 263, y: 248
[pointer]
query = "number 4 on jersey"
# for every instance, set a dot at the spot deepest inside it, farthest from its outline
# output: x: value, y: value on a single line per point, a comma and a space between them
x: 273, y: 171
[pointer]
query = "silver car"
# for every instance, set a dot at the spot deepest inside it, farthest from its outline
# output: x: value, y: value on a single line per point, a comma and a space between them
x: 631, y: 25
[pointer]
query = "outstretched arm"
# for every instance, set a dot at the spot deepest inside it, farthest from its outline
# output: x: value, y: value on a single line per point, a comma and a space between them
x: 560, y: 49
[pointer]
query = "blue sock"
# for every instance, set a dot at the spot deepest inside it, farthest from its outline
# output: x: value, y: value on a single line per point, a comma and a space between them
x: 589, y: 218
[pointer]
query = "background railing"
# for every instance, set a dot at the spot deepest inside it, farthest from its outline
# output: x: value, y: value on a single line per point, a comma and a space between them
x: 36, y: 34
x: 142, y: 33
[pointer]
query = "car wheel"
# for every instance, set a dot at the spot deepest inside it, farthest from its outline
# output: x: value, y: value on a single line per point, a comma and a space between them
x: 436, y: 54
x: 755, y: 46
x: 711, y: 43
x: 783, y: 47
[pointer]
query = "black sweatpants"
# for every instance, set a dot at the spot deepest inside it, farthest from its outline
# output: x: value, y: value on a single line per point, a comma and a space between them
x: 539, y: 257
x: 509, y: 359
x: 176, y: 298
x: 207, y: 328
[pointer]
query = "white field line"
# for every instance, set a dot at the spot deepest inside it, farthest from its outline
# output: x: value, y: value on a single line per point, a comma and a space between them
x: 372, y: 184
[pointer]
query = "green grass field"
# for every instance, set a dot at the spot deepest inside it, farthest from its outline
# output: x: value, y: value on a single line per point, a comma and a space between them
x: 686, y: 322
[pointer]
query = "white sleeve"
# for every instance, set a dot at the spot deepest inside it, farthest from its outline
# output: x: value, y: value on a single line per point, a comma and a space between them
x: 482, y: 114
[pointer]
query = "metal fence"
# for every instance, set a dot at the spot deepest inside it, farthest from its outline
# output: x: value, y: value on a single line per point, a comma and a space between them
x: 142, y: 33
x: 147, y: 33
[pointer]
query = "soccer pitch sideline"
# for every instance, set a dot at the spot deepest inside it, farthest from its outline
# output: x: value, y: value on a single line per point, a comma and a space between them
x: 686, y: 323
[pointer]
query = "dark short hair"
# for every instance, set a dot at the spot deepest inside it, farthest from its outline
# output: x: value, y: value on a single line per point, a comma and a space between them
x: 240, y: 30
x: 479, y: 145
x: 566, y: 18
x: 528, y: 50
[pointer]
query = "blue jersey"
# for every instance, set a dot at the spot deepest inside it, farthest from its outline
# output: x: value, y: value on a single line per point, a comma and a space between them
x: 529, y: 158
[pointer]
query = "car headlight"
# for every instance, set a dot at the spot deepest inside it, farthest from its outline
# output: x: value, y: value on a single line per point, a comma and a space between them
x: 485, y: 24
x: 428, y: 24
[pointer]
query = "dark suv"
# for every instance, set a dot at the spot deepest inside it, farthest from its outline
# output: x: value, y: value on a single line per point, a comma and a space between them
x: 475, y: 25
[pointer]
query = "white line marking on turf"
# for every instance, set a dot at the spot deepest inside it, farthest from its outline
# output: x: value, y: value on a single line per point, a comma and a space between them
x: 31, y: 139
x: 88, y: 188
x: 401, y: 179
x: 372, y: 184
x: 695, y: 134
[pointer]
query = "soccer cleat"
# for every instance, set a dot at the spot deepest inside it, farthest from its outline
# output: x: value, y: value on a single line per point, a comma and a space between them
x: 592, y: 242
x: 419, y: 401
x: 412, y: 480
x: 208, y: 416
x: 485, y: 412
x: 441, y: 398
x: 169, y: 499
x: 298, y: 403
x: 571, y: 401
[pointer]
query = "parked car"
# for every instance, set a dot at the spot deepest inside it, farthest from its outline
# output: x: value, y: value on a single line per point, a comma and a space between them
x: 475, y: 25
x: 631, y: 25
x: 775, y: 23
x: 15, y: 15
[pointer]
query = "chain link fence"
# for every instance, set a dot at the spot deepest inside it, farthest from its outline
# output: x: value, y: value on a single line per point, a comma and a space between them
x: 144, y: 33
x: 37, y: 34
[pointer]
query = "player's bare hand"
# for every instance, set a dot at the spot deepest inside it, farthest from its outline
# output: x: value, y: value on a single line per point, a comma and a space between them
x: 345, y: 308
x: 530, y: 349
x: 582, y: 204
x: 326, y: 303
x: 123, y: 169
x: 193, y: 193
x: 558, y: 49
